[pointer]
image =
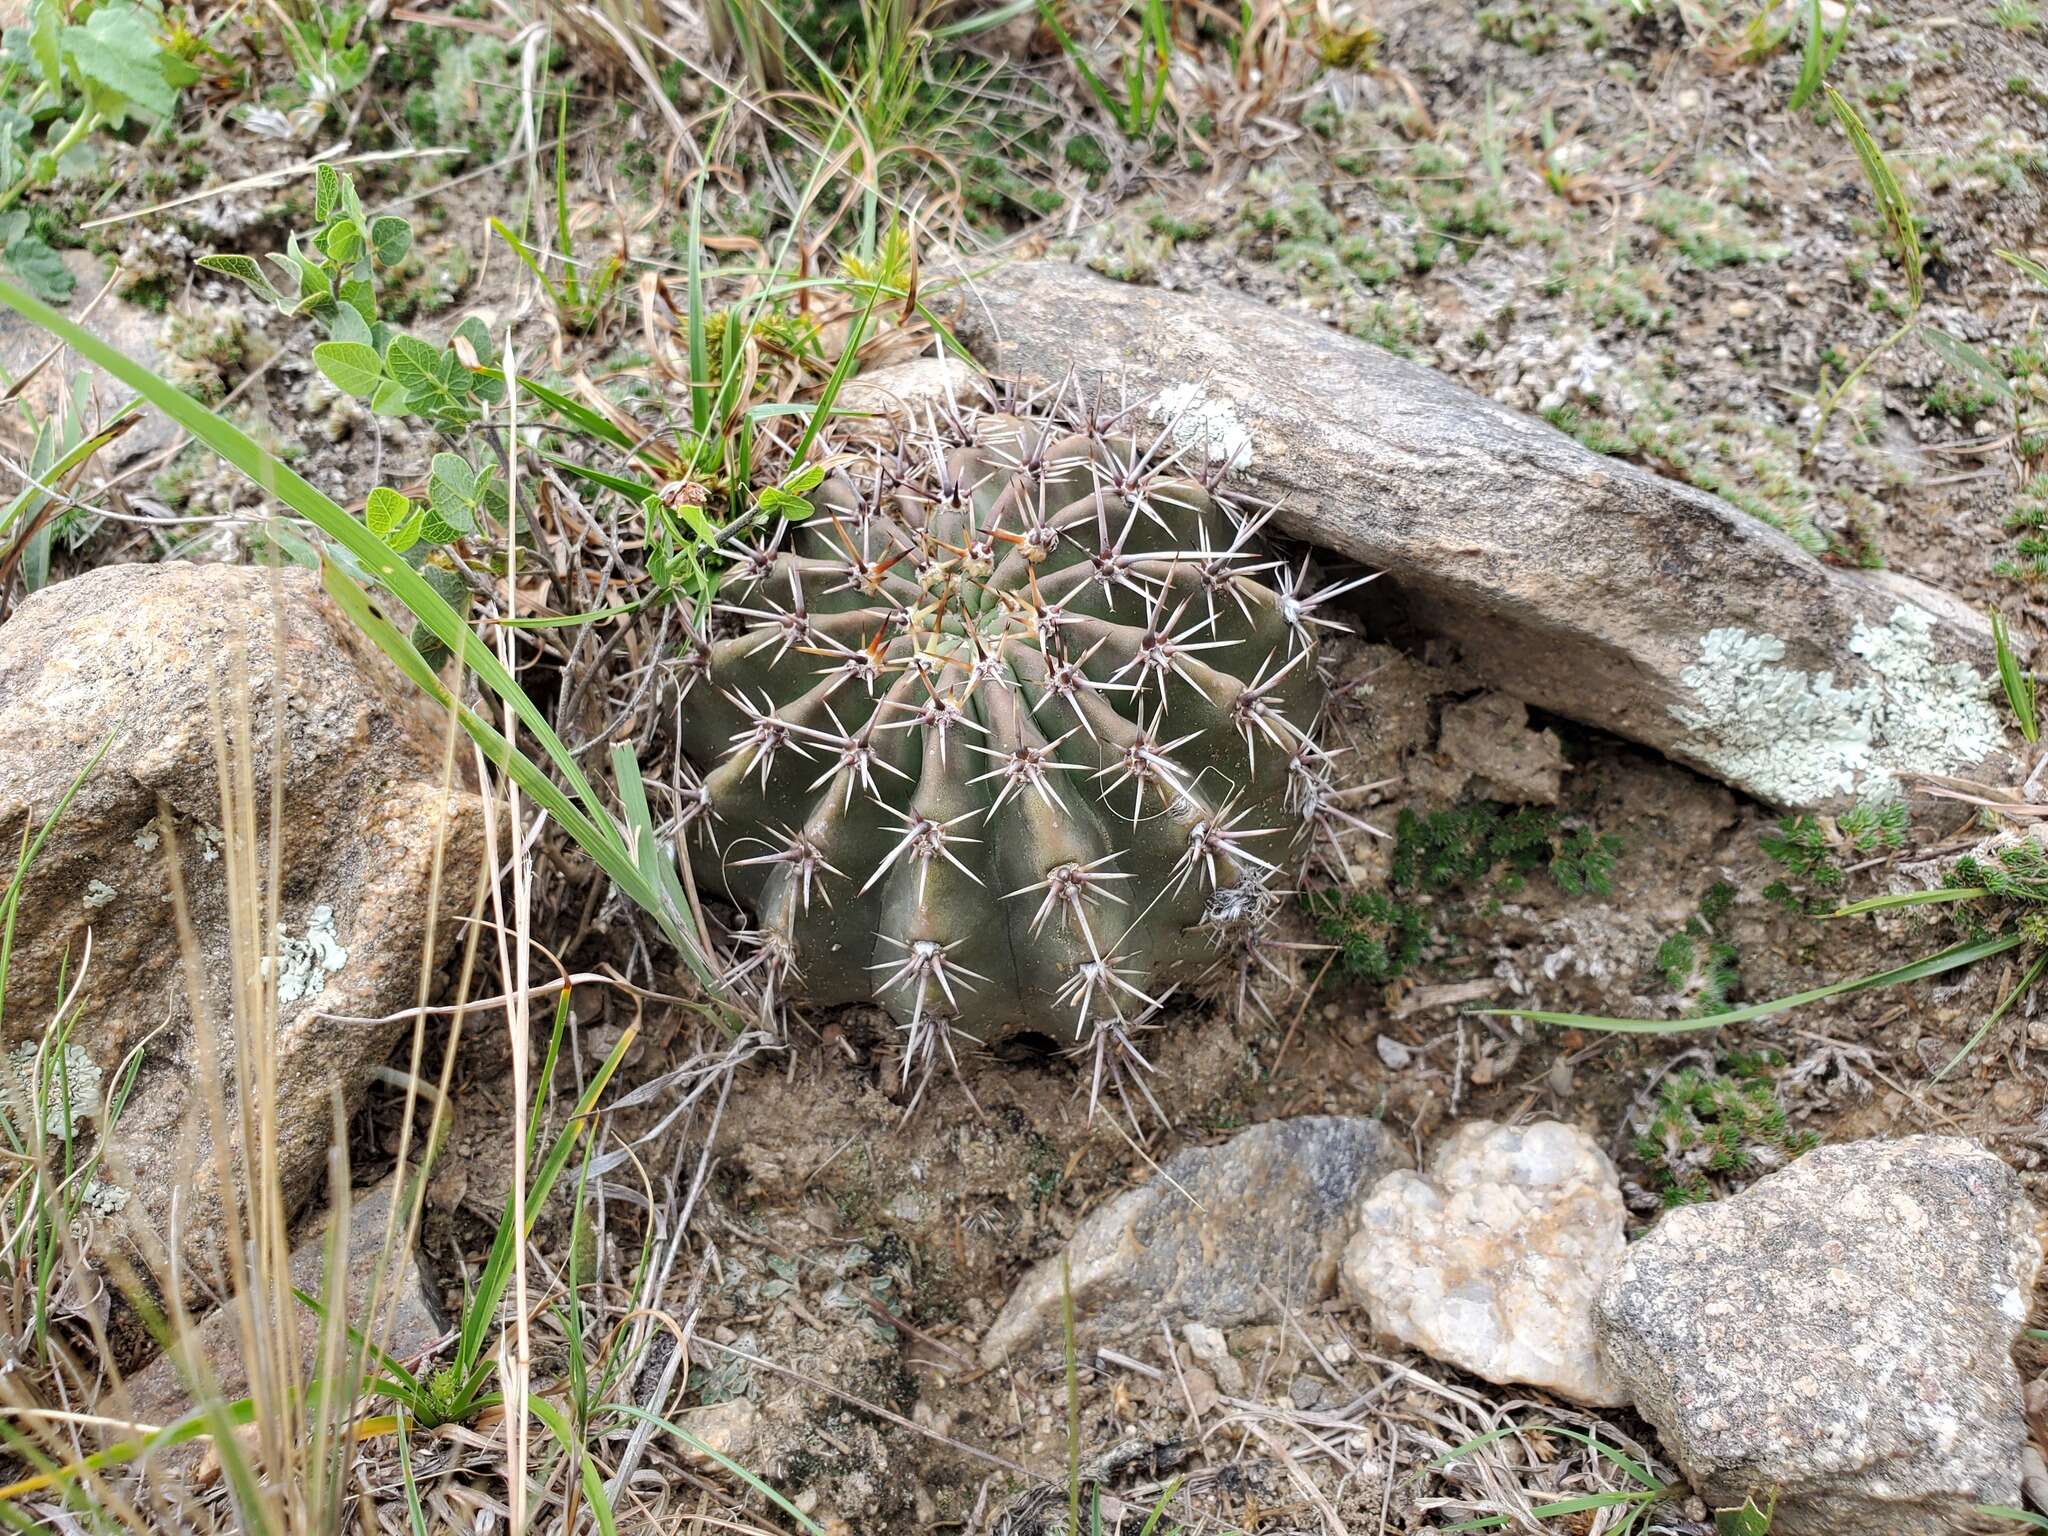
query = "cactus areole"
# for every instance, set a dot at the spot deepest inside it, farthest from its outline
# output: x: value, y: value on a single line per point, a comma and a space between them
x: 1009, y: 732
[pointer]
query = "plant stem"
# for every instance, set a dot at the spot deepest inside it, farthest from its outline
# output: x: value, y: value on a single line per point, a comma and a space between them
x: 87, y: 121
x: 1834, y: 396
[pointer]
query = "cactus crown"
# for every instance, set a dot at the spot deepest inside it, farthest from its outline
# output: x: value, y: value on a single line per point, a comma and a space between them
x: 1010, y: 728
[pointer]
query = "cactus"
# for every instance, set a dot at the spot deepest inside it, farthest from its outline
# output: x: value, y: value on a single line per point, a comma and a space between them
x: 1009, y: 730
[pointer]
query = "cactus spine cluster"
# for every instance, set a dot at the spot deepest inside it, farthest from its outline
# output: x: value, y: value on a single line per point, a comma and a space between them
x: 1011, y: 728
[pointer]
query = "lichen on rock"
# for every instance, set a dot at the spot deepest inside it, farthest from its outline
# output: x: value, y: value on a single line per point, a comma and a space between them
x: 1799, y: 739
x: 303, y: 965
x: 1195, y: 420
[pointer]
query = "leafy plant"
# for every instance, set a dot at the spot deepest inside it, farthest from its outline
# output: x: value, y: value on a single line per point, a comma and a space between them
x: 1810, y: 849
x: 1697, y: 964
x: 1376, y: 937
x: 98, y: 68
x: 330, y: 53
x: 1708, y: 1125
x: 1452, y: 848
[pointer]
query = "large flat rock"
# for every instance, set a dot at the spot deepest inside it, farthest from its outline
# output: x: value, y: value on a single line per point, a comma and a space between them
x: 1573, y: 581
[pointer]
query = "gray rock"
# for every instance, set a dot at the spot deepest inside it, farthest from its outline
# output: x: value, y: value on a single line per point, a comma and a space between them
x: 1572, y: 581
x: 1492, y: 1262
x: 1841, y: 1332
x: 143, y: 660
x: 1487, y: 749
x: 1219, y: 1237
x: 407, y: 1321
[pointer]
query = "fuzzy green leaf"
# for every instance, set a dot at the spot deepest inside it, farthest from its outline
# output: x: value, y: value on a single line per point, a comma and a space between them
x: 343, y: 242
x: 46, y: 40
x: 451, y: 489
x: 390, y: 399
x: 414, y: 364
x: 478, y: 335
x: 348, y: 324
x: 350, y: 367
x: 116, y: 51
x: 41, y: 269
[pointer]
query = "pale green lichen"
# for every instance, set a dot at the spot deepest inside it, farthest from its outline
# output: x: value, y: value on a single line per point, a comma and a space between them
x: 70, y: 1094
x: 1797, y: 739
x: 303, y: 965
x: 1198, y: 422
x: 99, y: 894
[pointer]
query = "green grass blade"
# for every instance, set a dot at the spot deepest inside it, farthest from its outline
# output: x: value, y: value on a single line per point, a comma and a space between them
x: 1910, y: 899
x: 593, y: 1485
x: 2026, y: 266
x: 2024, y: 1517
x: 1951, y: 959
x: 482, y: 1310
x: 753, y: 1481
x: 2017, y: 682
x: 2026, y: 985
x: 1886, y: 192
x: 603, y: 842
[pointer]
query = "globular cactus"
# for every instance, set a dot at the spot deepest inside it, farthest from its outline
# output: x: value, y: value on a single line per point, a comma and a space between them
x: 1010, y: 728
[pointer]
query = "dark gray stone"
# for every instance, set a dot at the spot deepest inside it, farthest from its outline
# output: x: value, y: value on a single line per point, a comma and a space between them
x: 1840, y: 1332
x: 1218, y: 1237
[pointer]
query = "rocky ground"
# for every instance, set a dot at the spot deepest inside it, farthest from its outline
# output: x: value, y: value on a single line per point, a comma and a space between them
x: 1368, y: 1251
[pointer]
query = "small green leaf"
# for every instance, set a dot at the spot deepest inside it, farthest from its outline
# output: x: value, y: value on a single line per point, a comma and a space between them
x: 390, y: 238
x: 805, y: 480
x: 244, y: 269
x: 45, y: 40
x: 413, y: 364
x: 407, y: 533
x: 116, y: 51
x: 478, y: 335
x: 773, y: 499
x: 386, y: 511
x: 347, y: 324
x: 390, y: 399
x: 41, y: 269
x: 1745, y: 1521
x: 452, y: 471
x: 351, y: 367
x: 452, y: 493
x: 343, y: 242
x: 326, y: 191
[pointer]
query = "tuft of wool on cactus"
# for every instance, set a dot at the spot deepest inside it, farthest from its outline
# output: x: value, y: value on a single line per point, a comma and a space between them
x: 1016, y: 730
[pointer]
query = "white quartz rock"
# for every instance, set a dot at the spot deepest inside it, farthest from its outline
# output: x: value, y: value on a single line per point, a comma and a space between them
x: 1492, y: 1260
